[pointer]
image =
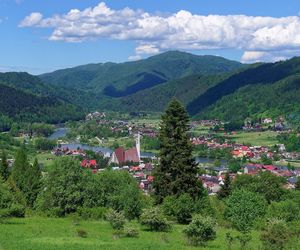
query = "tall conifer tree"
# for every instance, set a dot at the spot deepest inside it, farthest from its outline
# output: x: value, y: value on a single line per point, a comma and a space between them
x: 177, y: 170
x: 27, y: 177
x: 19, y: 168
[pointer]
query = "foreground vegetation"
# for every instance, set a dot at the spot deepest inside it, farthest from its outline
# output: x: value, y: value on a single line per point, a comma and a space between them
x: 62, y: 233
x: 67, y: 207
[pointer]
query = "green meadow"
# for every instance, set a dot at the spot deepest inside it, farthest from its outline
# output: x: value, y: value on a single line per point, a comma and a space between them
x: 267, y: 138
x: 61, y: 234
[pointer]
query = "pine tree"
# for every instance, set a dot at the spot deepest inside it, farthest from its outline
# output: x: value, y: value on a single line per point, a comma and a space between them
x: 4, y: 171
x: 27, y: 177
x: 19, y: 168
x: 225, y: 190
x: 177, y: 170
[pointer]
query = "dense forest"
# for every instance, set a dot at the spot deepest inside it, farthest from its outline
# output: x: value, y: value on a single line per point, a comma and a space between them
x: 24, y: 98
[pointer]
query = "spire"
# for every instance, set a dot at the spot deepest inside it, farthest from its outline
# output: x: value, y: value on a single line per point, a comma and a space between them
x: 138, y: 144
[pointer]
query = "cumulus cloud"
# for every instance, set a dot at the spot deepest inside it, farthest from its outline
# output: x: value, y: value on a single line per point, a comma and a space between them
x: 33, y: 19
x: 262, y: 38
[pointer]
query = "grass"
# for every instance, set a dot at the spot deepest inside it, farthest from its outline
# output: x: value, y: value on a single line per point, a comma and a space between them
x: 62, y: 233
x: 267, y: 138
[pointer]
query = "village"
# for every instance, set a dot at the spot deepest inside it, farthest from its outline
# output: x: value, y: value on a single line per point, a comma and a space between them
x: 141, y: 167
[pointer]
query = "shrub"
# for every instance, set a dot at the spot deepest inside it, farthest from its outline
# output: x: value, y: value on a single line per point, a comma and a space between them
x: 154, y: 220
x: 17, y: 210
x: 244, y: 239
x: 229, y: 240
x: 284, y: 210
x: 275, y: 235
x: 184, y: 209
x: 168, y: 206
x: 81, y: 233
x: 244, y: 208
x: 180, y: 207
x: 200, y: 230
x: 116, y: 219
x: 131, y: 232
x: 95, y: 213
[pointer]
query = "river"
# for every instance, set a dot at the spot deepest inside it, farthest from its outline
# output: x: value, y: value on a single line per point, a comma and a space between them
x: 61, y: 132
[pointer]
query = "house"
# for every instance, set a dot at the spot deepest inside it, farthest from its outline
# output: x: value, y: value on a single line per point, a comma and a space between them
x: 89, y: 163
x: 267, y: 121
x: 252, y: 169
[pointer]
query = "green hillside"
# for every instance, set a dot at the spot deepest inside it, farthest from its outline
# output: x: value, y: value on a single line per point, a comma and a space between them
x: 210, y: 87
x: 124, y: 79
x: 24, y: 97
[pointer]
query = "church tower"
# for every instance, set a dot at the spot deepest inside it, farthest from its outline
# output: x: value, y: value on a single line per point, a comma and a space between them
x: 138, y: 144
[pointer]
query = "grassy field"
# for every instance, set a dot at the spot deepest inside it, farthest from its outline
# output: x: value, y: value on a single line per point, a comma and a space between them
x: 54, y: 233
x: 267, y: 138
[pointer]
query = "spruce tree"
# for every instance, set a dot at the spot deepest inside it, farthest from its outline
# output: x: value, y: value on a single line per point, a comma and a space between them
x: 27, y: 177
x: 177, y: 170
x: 225, y: 190
x: 19, y: 169
x: 4, y: 171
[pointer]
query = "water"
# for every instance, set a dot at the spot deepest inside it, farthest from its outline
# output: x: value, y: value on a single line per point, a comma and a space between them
x: 61, y: 132
x: 58, y: 133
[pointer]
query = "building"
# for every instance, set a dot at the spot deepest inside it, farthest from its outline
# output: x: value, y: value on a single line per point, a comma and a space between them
x: 121, y: 156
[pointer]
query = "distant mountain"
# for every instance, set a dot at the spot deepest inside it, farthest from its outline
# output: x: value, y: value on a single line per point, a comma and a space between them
x: 209, y: 86
x: 124, y: 79
x: 267, y: 90
x: 257, y: 91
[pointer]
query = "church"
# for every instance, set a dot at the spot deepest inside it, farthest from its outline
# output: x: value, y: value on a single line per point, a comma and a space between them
x: 121, y: 156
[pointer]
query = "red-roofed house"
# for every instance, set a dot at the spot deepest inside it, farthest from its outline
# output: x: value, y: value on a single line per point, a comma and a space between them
x: 89, y: 163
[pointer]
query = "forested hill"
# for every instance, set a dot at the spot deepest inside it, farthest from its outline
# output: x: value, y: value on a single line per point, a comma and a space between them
x: 124, y: 79
x: 210, y: 87
x: 268, y: 90
x: 260, y: 90
x: 24, y: 97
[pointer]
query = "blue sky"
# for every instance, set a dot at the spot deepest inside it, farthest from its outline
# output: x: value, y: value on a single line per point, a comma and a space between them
x: 42, y: 36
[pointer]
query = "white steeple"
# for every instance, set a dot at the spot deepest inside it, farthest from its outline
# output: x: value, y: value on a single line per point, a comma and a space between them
x: 138, y: 144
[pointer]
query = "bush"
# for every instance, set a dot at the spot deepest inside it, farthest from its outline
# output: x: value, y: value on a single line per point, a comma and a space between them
x: 275, y: 235
x: 17, y: 210
x: 244, y: 208
x: 154, y: 220
x: 116, y: 219
x: 131, y: 232
x: 200, y: 230
x: 181, y: 208
x: 284, y: 210
x: 95, y: 213
x: 81, y: 233
x: 244, y: 239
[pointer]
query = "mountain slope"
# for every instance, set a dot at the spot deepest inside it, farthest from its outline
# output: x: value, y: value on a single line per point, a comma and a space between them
x: 124, y: 79
x: 271, y: 89
x: 24, y: 97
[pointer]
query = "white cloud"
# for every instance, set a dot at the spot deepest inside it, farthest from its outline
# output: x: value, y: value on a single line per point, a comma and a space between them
x: 146, y: 49
x: 32, y: 20
x: 262, y: 38
x: 134, y: 58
